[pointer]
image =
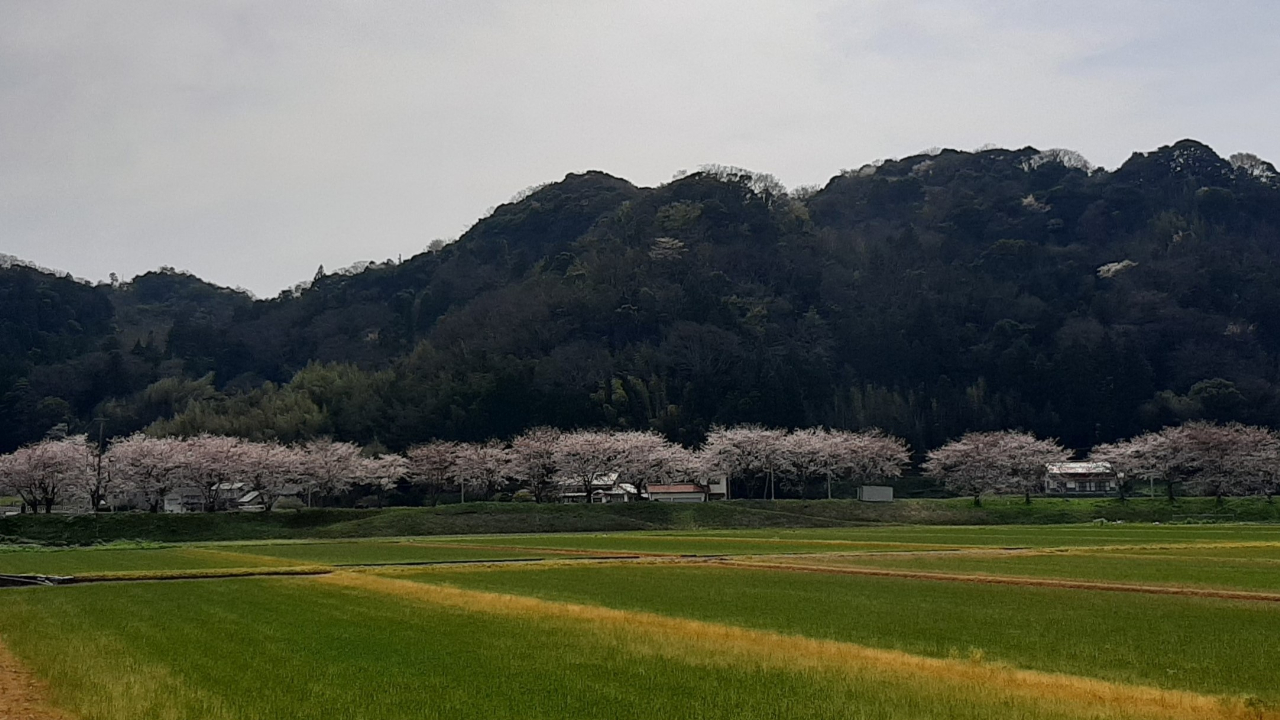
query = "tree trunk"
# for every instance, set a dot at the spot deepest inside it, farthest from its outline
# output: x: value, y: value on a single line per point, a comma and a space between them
x: 1168, y: 486
x: 828, y: 487
x: 1026, y: 495
x: 977, y: 501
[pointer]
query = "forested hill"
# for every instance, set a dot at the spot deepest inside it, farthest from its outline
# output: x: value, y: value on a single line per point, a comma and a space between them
x: 927, y: 296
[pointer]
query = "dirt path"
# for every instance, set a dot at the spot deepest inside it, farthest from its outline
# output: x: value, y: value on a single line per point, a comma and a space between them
x: 1005, y: 580
x: 22, y: 696
x: 714, y: 643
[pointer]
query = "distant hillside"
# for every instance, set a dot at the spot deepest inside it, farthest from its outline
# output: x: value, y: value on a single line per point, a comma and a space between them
x: 928, y: 296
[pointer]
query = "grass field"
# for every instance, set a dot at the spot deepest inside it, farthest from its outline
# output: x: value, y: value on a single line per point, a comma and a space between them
x: 687, y: 630
x: 1157, y: 567
x: 1105, y: 635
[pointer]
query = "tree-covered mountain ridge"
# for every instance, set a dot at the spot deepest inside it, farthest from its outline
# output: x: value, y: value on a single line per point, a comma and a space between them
x: 928, y: 296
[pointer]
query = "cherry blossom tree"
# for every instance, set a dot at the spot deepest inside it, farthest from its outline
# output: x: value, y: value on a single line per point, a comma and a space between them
x: 818, y: 452
x: 1222, y: 460
x: 583, y: 457
x: 432, y: 465
x: 746, y: 450
x: 384, y: 470
x: 993, y: 462
x: 88, y: 478
x: 48, y: 471
x: 481, y: 467
x: 533, y: 461
x: 328, y: 467
x: 874, y: 455
x: 213, y: 465
x: 151, y: 466
x: 645, y: 457
x: 833, y: 455
x: 268, y: 467
x: 1211, y: 459
x: 1152, y: 456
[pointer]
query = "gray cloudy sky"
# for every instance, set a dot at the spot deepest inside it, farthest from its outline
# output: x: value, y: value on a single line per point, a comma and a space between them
x: 250, y: 141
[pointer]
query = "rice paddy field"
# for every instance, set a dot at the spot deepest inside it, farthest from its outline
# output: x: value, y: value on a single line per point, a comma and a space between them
x: 1087, y: 621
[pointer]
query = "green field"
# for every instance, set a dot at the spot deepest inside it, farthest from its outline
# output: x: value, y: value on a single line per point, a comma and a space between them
x: 118, y: 559
x: 1156, y: 568
x: 1106, y: 635
x: 682, y: 634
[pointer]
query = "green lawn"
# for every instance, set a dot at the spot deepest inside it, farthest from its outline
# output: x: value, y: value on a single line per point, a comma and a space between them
x: 1212, y: 646
x: 276, y: 649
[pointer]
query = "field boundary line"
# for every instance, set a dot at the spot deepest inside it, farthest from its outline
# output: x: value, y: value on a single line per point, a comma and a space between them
x: 127, y: 576
x: 710, y: 642
x: 983, y: 579
x: 22, y: 693
x: 533, y: 548
x: 262, y: 560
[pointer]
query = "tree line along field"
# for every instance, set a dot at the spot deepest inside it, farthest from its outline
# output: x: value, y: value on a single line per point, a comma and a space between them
x: 1072, y: 621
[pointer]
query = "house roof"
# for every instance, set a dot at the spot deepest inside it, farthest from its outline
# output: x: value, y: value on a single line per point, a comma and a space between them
x: 1078, y: 468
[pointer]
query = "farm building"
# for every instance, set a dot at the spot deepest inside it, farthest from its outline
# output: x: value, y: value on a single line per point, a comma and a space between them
x: 875, y: 493
x: 184, y: 500
x: 680, y: 493
x: 1081, y: 478
x: 604, y: 489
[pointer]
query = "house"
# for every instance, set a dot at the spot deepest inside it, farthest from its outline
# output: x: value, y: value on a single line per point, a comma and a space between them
x: 679, y: 493
x: 621, y: 492
x: 184, y: 500
x: 604, y: 489
x: 1081, y: 478
x: 229, y: 495
x: 252, y: 501
x: 718, y: 489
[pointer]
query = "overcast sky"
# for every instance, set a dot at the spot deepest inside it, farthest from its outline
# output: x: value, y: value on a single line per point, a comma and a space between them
x: 250, y: 142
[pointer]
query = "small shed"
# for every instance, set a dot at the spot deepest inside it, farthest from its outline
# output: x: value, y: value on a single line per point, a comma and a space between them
x: 875, y: 493
x: 679, y: 492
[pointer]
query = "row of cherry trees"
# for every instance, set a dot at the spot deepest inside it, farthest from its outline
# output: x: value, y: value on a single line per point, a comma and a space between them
x: 542, y: 461
x: 1205, y: 458
x: 73, y: 471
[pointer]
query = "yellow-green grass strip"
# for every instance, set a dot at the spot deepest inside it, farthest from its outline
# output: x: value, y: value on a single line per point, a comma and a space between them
x: 727, y: 644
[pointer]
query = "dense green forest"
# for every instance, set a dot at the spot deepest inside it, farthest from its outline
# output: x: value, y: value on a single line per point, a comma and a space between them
x: 927, y: 296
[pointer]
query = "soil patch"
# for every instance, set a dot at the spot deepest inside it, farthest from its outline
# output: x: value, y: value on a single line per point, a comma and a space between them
x: 22, y: 696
